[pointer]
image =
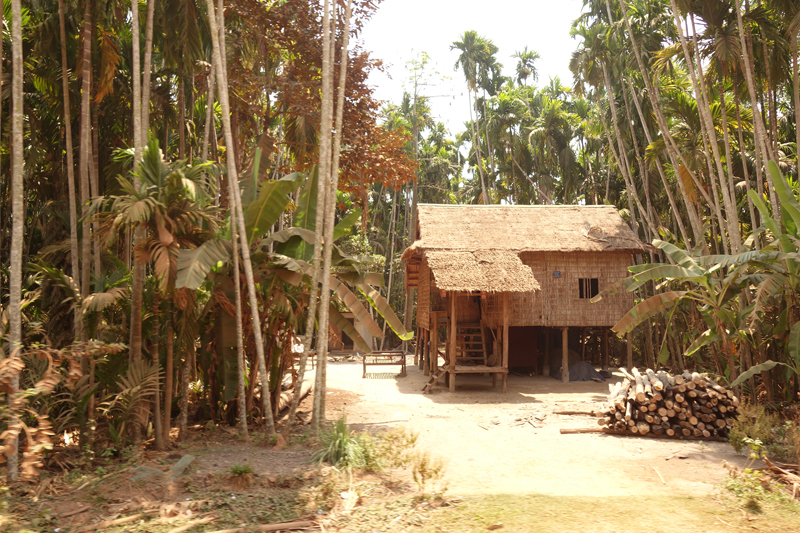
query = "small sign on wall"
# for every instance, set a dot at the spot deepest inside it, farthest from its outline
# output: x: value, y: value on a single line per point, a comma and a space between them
x: 557, y: 274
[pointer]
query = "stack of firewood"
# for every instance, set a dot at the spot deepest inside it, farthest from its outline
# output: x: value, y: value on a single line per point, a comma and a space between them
x: 688, y: 405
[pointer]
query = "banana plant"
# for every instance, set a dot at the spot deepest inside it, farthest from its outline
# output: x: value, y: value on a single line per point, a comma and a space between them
x: 713, y: 289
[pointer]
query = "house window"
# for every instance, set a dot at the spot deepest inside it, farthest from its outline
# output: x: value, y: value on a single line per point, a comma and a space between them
x: 588, y: 287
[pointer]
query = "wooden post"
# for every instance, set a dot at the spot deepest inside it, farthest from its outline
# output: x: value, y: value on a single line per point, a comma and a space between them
x: 434, y: 358
x: 605, y: 348
x: 546, y: 368
x: 564, y: 355
x: 453, y: 329
x: 630, y: 350
x: 505, y: 339
x: 417, y: 345
x: 583, y: 344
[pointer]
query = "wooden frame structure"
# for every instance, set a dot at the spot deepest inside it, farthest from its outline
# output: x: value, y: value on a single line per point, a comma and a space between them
x: 481, y: 270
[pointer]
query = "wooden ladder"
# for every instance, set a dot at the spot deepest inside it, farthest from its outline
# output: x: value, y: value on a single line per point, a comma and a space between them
x: 471, y: 347
x: 440, y: 371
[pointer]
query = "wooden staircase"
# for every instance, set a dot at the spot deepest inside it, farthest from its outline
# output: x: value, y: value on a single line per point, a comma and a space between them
x: 470, y: 345
x: 440, y: 371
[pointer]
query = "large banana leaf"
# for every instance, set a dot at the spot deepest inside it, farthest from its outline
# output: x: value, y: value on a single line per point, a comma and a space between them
x: 793, y: 344
x: 305, y: 216
x: 265, y: 210
x: 385, y: 310
x: 284, y: 235
x: 347, y: 327
x: 359, y: 311
x: 194, y: 265
x: 646, y: 309
x: 354, y: 278
x: 345, y: 224
x: 753, y: 370
x: 705, y: 338
x: 679, y: 256
x: 788, y: 201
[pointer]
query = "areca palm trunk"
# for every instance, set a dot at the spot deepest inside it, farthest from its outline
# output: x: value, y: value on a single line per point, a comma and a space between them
x: 17, y: 208
x: 758, y: 125
x: 137, y: 282
x: 181, y: 116
x: 709, y: 134
x: 622, y: 157
x: 169, y: 370
x: 662, y: 174
x: 796, y: 85
x: 84, y: 154
x: 148, y: 67
x: 217, y: 23
x: 326, y: 124
x: 240, y: 366
x: 672, y: 149
x: 640, y: 161
x: 73, y: 219
x: 743, y: 156
x: 209, y: 114
x: 330, y: 209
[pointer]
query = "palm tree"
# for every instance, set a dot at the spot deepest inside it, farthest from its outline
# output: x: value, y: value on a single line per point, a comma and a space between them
x: 17, y: 167
x: 526, y: 67
x: 216, y: 23
x: 73, y: 221
x: 475, y: 59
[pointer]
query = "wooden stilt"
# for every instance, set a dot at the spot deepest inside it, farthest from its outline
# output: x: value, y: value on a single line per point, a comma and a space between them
x: 434, y: 357
x: 546, y: 368
x: 453, y: 340
x: 630, y: 350
x: 417, y: 346
x: 564, y: 355
x: 505, y: 338
x: 605, y: 348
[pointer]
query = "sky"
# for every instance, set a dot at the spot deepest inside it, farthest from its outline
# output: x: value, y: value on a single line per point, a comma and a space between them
x: 401, y: 29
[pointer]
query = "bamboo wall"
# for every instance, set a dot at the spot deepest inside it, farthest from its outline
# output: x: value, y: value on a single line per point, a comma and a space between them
x: 423, y: 295
x: 557, y: 304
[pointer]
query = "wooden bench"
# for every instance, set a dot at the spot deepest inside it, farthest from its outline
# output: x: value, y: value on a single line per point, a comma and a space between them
x: 396, y: 357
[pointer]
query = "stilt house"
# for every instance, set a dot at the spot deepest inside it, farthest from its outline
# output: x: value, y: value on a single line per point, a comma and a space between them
x: 495, y: 281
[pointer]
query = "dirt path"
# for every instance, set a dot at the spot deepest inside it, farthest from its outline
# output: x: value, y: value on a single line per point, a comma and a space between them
x: 488, y: 451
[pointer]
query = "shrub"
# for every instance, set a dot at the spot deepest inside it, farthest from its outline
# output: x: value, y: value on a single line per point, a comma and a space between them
x: 756, y: 424
x: 345, y: 449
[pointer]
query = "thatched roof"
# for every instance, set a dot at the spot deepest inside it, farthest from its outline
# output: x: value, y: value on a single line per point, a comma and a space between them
x: 480, y: 271
x: 568, y: 228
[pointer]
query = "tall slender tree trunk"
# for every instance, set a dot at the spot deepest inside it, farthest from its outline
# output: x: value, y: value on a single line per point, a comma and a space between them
x: 476, y: 141
x: 762, y: 145
x: 672, y: 149
x: 709, y: 139
x: 796, y: 91
x: 209, y: 129
x: 237, y: 287
x: 94, y: 187
x: 743, y: 154
x: 169, y: 371
x: 85, y: 153
x: 73, y: 206
x: 157, y: 420
x: 181, y: 116
x: 217, y: 25
x: 331, y: 185
x: 676, y: 214
x: 148, y: 67
x: 137, y: 282
x: 17, y: 209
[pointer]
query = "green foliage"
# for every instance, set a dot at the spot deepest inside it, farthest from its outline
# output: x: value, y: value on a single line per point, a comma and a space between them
x: 761, y: 431
x: 241, y: 470
x: 345, y: 449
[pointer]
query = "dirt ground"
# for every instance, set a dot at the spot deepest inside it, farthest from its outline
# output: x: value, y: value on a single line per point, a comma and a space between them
x: 491, y: 448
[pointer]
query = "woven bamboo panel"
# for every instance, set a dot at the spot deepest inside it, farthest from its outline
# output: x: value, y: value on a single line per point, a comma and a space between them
x: 559, y: 274
x: 423, y: 295
x: 520, y: 306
